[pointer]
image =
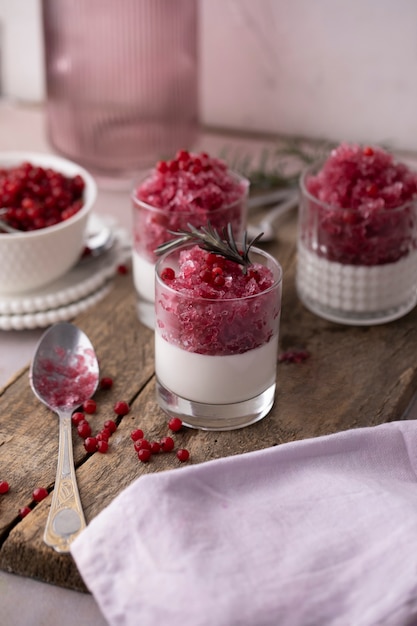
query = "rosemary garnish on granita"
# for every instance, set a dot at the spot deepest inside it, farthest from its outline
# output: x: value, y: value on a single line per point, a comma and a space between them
x: 209, y: 239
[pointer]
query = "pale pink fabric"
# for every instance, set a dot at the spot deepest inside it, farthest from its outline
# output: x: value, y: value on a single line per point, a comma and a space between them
x: 312, y: 533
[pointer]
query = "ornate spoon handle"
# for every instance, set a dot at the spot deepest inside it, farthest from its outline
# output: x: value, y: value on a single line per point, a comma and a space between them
x: 66, y: 517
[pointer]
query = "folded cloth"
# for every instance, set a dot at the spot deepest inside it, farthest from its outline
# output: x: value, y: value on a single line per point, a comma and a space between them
x: 311, y: 533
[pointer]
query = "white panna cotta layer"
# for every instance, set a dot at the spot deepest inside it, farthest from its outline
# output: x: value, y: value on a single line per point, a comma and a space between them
x: 356, y: 288
x: 143, y: 277
x: 215, y: 379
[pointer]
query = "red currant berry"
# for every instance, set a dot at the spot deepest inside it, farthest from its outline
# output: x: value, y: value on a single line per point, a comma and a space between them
x: 182, y: 155
x: 102, y: 446
x: 90, y: 406
x: 106, y: 383
x: 121, y: 408
x: 212, y: 258
x: 110, y: 425
x: 372, y: 190
x: 4, y: 486
x: 168, y: 274
x: 136, y: 434
x: 84, y: 429
x: 105, y: 434
x: 122, y: 270
x: 142, y: 444
x: 155, y: 447
x: 254, y: 274
x: 25, y: 510
x: 196, y: 169
x: 173, y: 166
x: 77, y: 417
x: 162, y: 167
x: 39, y: 494
x: 144, y: 455
x: 174, y: 424
x: 90, y: 444
x: 183, y: 455
x: 167, y: 444
x: 205, y: 276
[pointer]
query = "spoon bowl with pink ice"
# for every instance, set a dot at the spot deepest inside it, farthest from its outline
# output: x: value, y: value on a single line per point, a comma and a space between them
x: 63, y: 374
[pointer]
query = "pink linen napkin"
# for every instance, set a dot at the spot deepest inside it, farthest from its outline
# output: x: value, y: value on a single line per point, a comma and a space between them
x: 312, y: 533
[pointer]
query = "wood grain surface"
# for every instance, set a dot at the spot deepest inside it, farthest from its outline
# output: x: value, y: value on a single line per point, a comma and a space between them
x: 355, y: 376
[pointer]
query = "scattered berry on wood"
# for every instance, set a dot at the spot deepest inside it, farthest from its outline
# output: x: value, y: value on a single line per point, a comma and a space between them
x: 39, y: 494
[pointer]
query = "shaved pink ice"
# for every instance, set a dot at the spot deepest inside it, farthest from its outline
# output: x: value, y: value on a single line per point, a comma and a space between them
x: 369, y: 211
x: 200, y: 317
x: 66, y: 380
x: 193, y: 188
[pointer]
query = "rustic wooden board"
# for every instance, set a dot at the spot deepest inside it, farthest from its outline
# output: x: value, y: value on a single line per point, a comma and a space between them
x: 355, y: 377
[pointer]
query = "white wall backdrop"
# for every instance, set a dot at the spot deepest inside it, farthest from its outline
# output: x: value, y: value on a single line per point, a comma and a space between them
x: 336, y: 69
x: 21, y: 51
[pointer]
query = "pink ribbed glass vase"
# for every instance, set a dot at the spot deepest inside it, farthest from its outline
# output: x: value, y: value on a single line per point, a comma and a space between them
x: 121, y: 81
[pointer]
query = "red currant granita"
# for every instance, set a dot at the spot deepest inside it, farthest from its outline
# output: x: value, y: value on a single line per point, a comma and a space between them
x: 65, y: 379
x: 190, y: 189
x: 357, y: 247
x: 216, y: 332
x: 37, y: 197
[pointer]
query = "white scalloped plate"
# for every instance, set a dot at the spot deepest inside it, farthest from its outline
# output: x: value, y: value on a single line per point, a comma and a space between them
x: 84, y: 285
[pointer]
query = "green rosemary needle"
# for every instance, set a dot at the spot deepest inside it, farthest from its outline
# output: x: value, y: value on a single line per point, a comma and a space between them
x: 209, y: 239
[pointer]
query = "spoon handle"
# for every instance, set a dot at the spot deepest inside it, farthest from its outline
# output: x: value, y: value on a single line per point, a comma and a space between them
x: 66, y: 517
x: 8, y: 229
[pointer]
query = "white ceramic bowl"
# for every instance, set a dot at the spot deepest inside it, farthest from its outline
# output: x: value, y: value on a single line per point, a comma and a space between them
x: 32, y: 259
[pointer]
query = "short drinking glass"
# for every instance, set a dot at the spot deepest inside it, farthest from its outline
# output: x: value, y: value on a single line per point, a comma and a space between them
x: 191, y: 189
x: 357, y: 264
x: 216, y: 357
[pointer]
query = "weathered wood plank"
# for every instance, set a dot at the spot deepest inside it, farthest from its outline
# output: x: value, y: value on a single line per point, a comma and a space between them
x: 355, y: 377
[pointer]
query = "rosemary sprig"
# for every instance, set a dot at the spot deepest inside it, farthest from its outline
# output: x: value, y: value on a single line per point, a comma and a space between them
x: 209, y: 239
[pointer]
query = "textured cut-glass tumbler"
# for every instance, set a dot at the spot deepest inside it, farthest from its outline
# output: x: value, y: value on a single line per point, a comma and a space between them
x: 121, y: 81
x: 356, y: 268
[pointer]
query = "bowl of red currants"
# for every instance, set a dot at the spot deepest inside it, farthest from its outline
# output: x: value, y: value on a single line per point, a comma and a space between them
x: 45, y: 203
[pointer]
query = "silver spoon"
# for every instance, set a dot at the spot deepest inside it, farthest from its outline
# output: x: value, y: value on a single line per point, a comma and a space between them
x: 266, y: 225
x: 98, y: 242
x: 269, y: 197
x: 63, y: 374
x: 5, y: 226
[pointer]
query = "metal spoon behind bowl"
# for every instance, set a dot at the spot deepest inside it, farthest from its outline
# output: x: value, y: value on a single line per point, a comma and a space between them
x: 267, y: 225
x: 4, y: 225
x: 63, y: 374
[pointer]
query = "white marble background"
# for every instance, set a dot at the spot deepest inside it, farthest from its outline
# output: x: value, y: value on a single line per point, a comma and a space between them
x: 334, y: 69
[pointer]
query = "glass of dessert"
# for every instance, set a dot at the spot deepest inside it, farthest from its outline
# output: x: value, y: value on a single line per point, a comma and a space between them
x: 216, y: 333
x: 189, y: 189
x: 357, y: 237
